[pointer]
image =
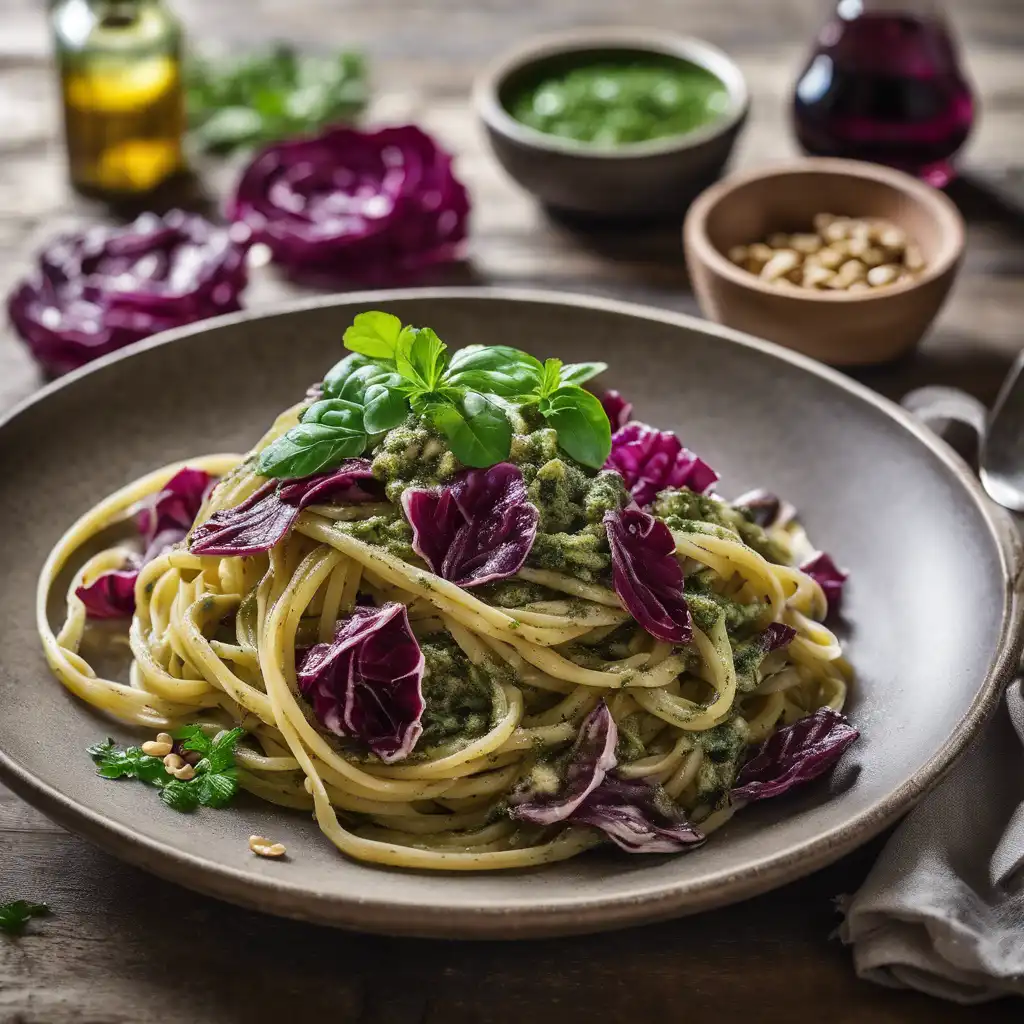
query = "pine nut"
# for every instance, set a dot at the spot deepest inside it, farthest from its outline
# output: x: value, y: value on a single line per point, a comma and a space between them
x: 165, y: 737
x: 830, y: 258
x: 265, y: 848
x: 779, y: 241
x: 807, y: 244
x: 172, y: 761
x: 872, y: 256
x: 879, y: 276
x: 154, y: 748
x: 780, y: 264
x: 890, y: 237
x: 822, y: 221
x: 839, y: 230
x: 759, y: 253
x: 185, y: 772
x: 738, y: 255
x: 912, y: 258
x: 816, y: 276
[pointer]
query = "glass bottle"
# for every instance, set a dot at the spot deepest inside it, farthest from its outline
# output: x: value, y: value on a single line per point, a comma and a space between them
x: 884, y: 83
x: 124, y: 110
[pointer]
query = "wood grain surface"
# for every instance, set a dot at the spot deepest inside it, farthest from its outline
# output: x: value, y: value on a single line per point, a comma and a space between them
x: 125, y: 947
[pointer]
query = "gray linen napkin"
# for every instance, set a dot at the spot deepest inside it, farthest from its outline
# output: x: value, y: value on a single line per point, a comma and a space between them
x: 943, y: 908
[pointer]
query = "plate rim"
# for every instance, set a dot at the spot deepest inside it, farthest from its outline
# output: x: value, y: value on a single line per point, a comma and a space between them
x: 584, y: 913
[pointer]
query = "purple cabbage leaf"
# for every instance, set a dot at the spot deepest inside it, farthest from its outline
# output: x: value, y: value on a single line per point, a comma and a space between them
x: 829, y: 577
x: 478, y: 529
x: 94, y: 292
x: 367, y: 682
x: 646, y: 574
x: 636, y: 816
x: 766, y: 509
x: 650, y: 460
x: 112, y: 594
x: 350, y: 204
x: 616, y: 408
x: 259, y: 522
x: 794, y: 754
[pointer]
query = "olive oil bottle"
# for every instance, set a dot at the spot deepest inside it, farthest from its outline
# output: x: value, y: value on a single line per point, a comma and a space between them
x: 121, y: 84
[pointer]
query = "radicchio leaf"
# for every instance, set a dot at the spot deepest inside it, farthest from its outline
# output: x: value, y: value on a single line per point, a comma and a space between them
x: 766, y: 509
x: 591, y: 757
x: 616, y: 408
x: 175, y: 506
x: 794, y: 754
x: 111, y: 595
x: 646, y: 574
x: 829, y: 577
x: 777, y: 635
x: 650, y: 460
x: 367, y: 683
x: 637, y: 817
x: 260, y: 521
x: 478, y: 529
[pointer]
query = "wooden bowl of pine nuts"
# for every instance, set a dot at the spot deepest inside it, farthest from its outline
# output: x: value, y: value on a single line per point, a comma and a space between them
x: 844, y: 261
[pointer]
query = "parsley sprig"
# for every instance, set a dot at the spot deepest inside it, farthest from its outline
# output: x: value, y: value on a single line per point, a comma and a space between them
x: 214, y: 784
x: 467, y: 396
x: 16, y: 914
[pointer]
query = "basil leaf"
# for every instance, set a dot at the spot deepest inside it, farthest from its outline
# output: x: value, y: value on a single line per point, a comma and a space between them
x: 577, y: 373
x: 330, y: 431
x: 374, y: 334
x: 340, y: 373
x: 495, y: 369
x: 419, y: 357
x: 581, y: 424
x: 552, y: 377
x: 476, y: 427
x: 384, y: 407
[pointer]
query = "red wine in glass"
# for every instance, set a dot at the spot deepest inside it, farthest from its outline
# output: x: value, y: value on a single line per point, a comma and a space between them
x: 884, y: 84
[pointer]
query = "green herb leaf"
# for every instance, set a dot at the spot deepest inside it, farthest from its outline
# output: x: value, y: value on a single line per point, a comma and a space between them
x: 578, y: 373
x: 114, y: 763
x: 180, y: 796
x: 496, y: 370
x: 374, y: 334
x: 379, y: 390
x: 216, y: 789
x: 420, y: 357
x: 580, y: 421
x: 221, y: 755
x: 329, y: 432
x: 339, y: 374
x: 385, y: 407
x: 552, y: 377
x: 16, y: 914
x: 476, y: 427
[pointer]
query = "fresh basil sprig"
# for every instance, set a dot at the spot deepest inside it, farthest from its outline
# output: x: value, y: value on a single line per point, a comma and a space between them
x: 395, y: 368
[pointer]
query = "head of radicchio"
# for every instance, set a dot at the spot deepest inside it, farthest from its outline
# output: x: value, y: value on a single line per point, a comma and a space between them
x: 475, y: 530
x: 162, y: 520
x: 259, y: 522
x: 794, y: 754
x: 650, y: 460
x: 646, y: 574
x: 366, y: 683
x: 350, y: 204
x: 101, y: 289
x: 582, y: 788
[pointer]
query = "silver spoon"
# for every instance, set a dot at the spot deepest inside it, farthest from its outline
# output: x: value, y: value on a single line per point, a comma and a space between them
x: 1002, y: 445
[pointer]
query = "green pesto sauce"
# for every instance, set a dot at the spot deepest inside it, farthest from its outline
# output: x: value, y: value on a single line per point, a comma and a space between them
x: 389, y: 530
x: 458, y: 695
x: 724, y: 750
x: 618, y: 102
x: 741, y: 620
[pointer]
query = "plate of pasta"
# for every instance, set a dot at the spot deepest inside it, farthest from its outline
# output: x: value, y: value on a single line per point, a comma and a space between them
x: 483, y: 613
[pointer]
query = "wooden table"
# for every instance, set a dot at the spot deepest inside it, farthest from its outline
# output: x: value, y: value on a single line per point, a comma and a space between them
x: 123, y: 946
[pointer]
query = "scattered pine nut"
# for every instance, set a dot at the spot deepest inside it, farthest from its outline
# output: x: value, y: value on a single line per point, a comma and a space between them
x: 156, y: 748
x: 265, y: 848
x: 886, y: 274
x: 172, y: 761
x: 185, y: 772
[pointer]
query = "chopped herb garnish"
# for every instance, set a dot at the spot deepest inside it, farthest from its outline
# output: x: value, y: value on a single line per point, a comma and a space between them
x: 16, y: 914
x: 214, y: 783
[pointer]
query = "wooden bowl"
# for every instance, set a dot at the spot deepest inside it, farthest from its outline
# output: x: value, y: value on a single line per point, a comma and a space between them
x: 843, y: 328
x: 634, y: 180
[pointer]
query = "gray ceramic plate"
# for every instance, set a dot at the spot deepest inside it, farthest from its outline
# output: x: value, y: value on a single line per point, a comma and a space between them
x: 932, y: 629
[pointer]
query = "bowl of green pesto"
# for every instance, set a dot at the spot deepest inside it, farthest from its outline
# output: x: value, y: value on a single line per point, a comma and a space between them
x: 623, y: 124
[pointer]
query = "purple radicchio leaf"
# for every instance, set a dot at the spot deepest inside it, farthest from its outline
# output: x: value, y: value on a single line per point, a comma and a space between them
x: 260, y: 521
x: 637, y: 817
x: 766, y: 509
x: 777, y: 635
x: 650, y: 460
x: 176, y: 505
x: 591, y: 757
x: 111, y: 595
x: 616, y: 408
x: 478, y: 529
x: 829, y: 577
x: 646, y: 574
x: 794, y: 754
x: 163, y: 520
x: 367, y: 683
